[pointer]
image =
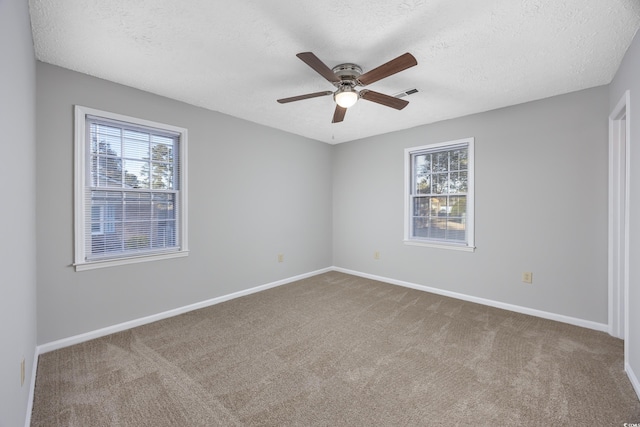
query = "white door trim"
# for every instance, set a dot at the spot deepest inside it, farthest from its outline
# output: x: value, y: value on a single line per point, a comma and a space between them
x: 619, y: 132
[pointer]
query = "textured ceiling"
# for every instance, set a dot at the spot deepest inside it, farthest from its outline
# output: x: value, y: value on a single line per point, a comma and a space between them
x: 238, y: 57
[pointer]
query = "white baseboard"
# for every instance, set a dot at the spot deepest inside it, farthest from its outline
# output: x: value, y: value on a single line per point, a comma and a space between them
x: 633, y: 378
x: 511, y: 307
x: 66, y: 342
x: 32, y: 388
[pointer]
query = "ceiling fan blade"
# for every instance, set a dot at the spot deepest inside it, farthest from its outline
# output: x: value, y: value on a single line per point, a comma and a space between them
x: 381, y: 98
x: 307, y: 96
x: 338, y: 115
x: 401, y: 63
x: 314, y: 62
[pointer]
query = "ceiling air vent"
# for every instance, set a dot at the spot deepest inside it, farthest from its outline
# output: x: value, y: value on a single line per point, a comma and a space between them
x: 406, y: 93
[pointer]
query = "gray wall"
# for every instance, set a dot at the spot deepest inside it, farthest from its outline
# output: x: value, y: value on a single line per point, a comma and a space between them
x: 17, y: 211
x: 254, y: 192
x: 627, y: 79
x: 541, y: 206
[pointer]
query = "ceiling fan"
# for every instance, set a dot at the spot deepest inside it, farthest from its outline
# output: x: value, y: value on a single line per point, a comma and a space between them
x: 346, y: 77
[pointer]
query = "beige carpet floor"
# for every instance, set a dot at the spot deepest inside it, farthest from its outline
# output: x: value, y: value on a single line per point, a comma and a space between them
x: 339, y: 350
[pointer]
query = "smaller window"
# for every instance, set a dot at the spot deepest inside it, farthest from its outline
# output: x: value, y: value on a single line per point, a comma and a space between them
x: 130, y: 190
x: 439, y: 195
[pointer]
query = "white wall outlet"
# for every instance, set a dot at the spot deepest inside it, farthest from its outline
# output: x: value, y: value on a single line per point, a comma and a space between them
x: 527, y: 277
x: 280, y: 257
x: 376, y: 255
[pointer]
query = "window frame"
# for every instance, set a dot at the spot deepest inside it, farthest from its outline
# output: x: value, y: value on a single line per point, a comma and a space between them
x: 409, y: 239
x: 81, y: 163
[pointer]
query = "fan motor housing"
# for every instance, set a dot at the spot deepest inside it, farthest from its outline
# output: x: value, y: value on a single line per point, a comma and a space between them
x: 348, y: 74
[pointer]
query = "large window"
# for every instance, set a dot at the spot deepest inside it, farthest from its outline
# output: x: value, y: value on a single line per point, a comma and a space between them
x: 439, y: 195
x: 130, y: 190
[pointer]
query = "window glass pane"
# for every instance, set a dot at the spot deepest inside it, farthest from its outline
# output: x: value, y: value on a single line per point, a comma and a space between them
x: 458, y: 182
x: 162, y: 153
x: 438, y: 206
x: 112, y: 217
x: 106, y: 171
x: 98, y: 244
x: 437, y: 228
x: 136, y: 173
x: 462, y: 184
x: 96, y: 213
x: 137, y: 206
x: 160, y: 139
x: 423, y: 185
x: 421, y: 227
x: 464, y: 159
x: 457, y: 206
x: 455, y: 235
x: 421, y: 206
x: 162, y: 178
x: 96, y: 219
x: 136, y: 149
x: 137, y: 235
x: 163, y: 207
x: 440, y: 161
x: 162, y: 166
x: 132, y: 180
x: 440, y: 183
x: 164, y: 233
x: 105, y: 140
x: 458, y: 160
x: 420, y: 169
x: 164, y: 230
x: 421, y: 179
x: 455, y: 231
x: 135, y: 135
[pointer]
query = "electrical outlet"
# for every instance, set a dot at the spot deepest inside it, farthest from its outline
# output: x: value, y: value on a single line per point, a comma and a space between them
x: 376, y: 255
x: 280, y: 257
x: 22, y: 372
x: 527, y: 277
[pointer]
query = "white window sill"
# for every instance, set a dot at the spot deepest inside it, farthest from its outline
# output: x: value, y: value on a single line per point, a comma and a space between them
x: 92, y: 265
x: 437, y: 245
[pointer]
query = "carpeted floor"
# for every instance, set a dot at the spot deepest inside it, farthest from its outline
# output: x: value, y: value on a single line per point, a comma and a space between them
x: 339, y: 350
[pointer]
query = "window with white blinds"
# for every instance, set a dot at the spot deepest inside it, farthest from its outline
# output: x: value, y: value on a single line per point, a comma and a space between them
x: 130, y: 190
x: 439, y: 195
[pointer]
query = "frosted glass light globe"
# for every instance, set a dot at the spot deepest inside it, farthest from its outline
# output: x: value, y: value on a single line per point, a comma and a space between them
x: 346, y: 97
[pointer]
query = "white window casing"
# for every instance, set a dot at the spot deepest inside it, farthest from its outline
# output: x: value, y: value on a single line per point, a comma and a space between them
x: 130, y: 190
x: 439, y: 195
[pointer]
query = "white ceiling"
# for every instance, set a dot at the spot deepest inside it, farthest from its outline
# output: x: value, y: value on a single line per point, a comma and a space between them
x: 238, y: 57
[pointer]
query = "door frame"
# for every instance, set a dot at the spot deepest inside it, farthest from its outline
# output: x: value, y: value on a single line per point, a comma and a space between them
x: 618, y: 250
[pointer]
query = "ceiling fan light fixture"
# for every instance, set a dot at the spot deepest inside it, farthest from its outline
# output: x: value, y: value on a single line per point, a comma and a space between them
x: 346, y: 77
x: 346, y: 96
